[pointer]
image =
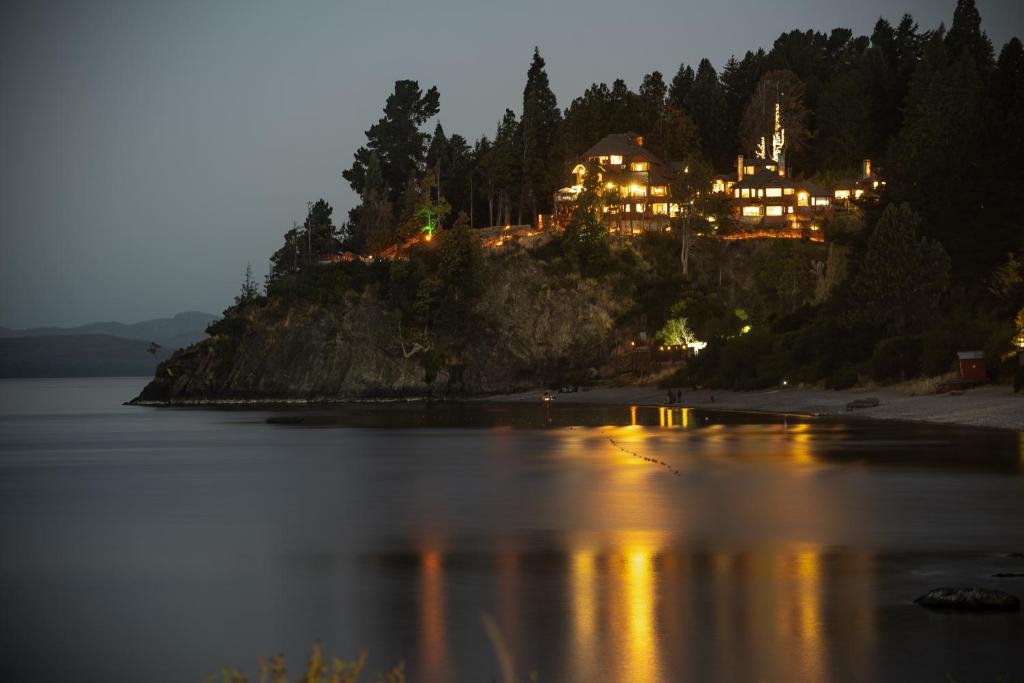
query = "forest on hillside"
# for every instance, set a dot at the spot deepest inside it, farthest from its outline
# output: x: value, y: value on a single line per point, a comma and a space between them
x: 932, y: 266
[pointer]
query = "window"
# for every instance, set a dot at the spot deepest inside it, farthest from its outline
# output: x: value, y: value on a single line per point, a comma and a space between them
x: 638, y: 166
x: 745, y: 193
x: 736, y: 194
x: 638, y: 190
x: 857, y: 194
x: 842, y: 194
x: 788, y: 190
x: 615, y: 160
x: 789, y: 209
x: 602, y: 160
x: 773, y: 192
x: 760, y: 192
x: 660, y: 209
x: 659, y: 190
x: 801, y: 199
x: 773, y: 210
x: 639, y: 208
x: 748, y: 170
x: 751, y: 210
x: 628, y: 207
x: 820, y: 201
x: 673, y: 210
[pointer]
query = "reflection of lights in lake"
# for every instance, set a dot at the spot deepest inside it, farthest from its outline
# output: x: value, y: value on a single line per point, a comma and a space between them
x: 583, y: 586
x: 433, y: 638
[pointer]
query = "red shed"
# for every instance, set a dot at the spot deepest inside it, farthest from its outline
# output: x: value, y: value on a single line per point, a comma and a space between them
x: 972, y: 365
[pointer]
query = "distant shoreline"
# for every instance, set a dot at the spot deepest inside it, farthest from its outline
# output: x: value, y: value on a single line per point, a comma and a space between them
x: 989, y: 407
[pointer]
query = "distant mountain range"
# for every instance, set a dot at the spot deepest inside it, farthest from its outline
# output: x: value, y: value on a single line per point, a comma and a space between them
x: 173, y: 333
x: 100, y: 349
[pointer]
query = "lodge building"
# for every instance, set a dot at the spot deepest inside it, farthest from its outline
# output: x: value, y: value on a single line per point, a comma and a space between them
x: 765, y: 200
x: 636, y: 183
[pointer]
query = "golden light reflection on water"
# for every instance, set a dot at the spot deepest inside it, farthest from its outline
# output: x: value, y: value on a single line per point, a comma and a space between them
x: 433, y: 626
x: 640, y: 610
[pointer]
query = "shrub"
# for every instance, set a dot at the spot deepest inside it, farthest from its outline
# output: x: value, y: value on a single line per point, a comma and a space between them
x: 896, y: 358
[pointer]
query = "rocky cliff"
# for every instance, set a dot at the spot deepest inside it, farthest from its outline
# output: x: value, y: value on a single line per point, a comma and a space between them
x: 528, y: 326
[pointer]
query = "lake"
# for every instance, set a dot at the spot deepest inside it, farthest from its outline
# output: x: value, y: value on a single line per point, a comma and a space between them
x: 607, y: 543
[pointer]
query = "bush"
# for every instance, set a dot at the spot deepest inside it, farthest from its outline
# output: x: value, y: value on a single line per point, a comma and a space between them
x: 844, y: 378
x: 896, y: 358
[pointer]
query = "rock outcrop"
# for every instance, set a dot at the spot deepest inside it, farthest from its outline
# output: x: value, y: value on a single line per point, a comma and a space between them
x: 970, y: 599
x: 529, y: 326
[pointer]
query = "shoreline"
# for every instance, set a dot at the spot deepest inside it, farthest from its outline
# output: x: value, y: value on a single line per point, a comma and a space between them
x: 995, y: 407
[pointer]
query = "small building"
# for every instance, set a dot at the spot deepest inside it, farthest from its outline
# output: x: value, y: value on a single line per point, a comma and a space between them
x: 636, y: 183
x: 972, y: 366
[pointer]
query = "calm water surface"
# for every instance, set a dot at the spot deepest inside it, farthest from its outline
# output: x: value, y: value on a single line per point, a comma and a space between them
x: 158, y: 545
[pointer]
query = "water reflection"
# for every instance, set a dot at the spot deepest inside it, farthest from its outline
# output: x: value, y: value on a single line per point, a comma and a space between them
x: 639, y: 609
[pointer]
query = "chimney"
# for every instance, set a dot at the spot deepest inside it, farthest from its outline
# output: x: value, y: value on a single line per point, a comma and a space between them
x: 867, y: 169
x: 739, y: 167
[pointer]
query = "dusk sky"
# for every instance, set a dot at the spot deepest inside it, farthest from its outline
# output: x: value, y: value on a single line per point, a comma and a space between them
x: 149, y: 151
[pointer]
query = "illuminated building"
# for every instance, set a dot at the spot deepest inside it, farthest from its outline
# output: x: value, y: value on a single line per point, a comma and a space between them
x: 636, y: 185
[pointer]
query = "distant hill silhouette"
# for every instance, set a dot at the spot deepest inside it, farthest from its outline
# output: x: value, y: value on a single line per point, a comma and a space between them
x: 77, y: 355
x: 171, y: 333
x: 100, y: 349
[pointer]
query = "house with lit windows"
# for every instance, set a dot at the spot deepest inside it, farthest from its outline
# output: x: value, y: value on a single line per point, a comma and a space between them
x: 765, y: 200
x: 636, y: 183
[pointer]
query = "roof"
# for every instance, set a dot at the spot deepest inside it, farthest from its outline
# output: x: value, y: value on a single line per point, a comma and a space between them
x: 764, y: 178
x: 623, y: 144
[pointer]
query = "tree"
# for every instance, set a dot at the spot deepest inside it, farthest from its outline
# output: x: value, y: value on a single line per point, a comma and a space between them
x: 902, y: 278
x: 784, y: 88
x: 539, y: 126
x: 250, y: 290
x: 707, y: 108
x: 304, y: 246
x: 586, y: 236
x: 152, y: 349
x: 682, y: 84
x: 396, y: 139
x: 501, y: 164
x: 965, y: 37
x: 691, y: 190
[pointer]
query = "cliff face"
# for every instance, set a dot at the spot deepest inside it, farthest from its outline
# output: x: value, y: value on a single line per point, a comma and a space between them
x: 528, y: 326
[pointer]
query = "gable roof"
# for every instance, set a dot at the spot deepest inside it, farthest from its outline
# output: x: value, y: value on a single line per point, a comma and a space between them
x: 622, y: 144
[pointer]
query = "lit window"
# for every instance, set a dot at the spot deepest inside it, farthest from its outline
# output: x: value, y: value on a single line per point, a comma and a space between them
x: 718, y: 186
x: 842, y: 194
x: 751, y: 210
x: 615, y: 160
x: 638, y: 190
x: 773, y: 192
x: 748, y: 170
x: 789, y: 209
x: 745, y: 193
x: 660, y: 209
x: 659, y: 190
x: 788, y: 190
x: 639, y: 208
x: 801, y: 199
x: 602, y: 160
x: 773, y: 210
x: 857, y: 194
x: 673, y: 210
x: 628, y: 207
x: 821, y: 201
x: 736, y: 194
x: 760, y: 192
x: 638, y: 166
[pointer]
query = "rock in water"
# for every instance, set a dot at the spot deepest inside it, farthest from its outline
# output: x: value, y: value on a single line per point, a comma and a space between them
x: 970, y: 599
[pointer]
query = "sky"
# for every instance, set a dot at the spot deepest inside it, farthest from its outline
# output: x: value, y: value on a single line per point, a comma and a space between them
x: 149, y: 151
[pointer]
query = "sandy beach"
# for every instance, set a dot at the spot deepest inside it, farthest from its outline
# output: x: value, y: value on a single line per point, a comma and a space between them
x: 990, y: 406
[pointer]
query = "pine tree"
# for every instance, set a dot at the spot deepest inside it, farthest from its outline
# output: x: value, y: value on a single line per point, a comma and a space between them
x: 396, y: 138
x: 539, y: 126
